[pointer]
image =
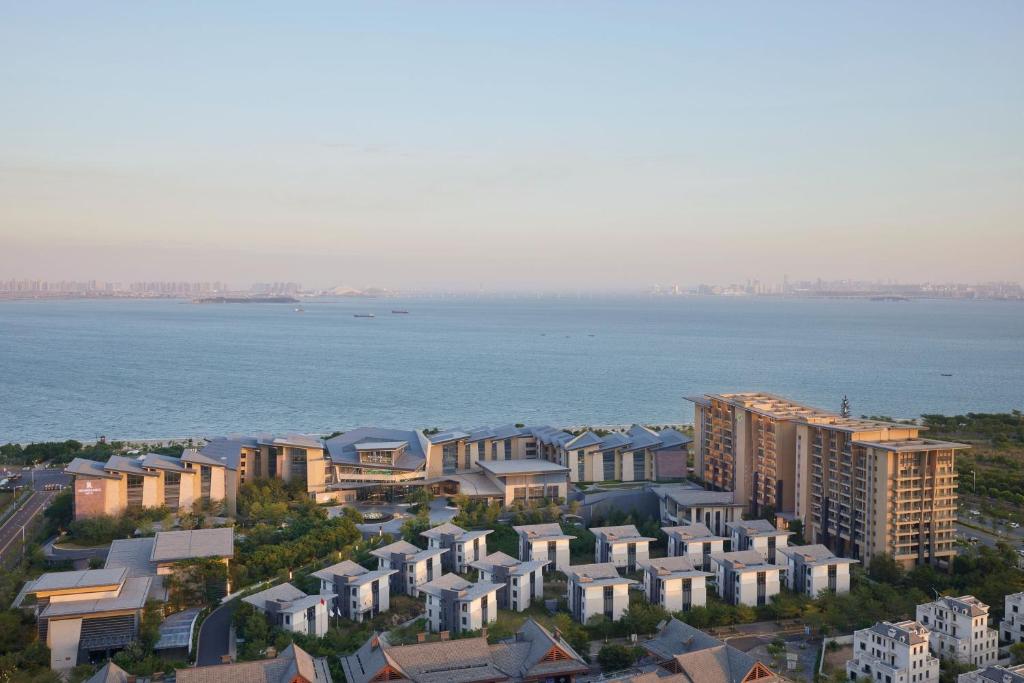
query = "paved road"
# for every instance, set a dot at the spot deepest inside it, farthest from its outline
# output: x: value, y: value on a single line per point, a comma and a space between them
x: 213, y: 635
x: 10, y: 532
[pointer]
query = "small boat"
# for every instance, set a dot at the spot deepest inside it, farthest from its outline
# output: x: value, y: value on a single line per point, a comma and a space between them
x: 363, y: 315
x: 399, y: 312
x: 300, y: 309
x: 947, y: 374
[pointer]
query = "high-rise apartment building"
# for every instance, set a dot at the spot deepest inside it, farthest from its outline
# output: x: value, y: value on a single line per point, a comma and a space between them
x: 860, y: 487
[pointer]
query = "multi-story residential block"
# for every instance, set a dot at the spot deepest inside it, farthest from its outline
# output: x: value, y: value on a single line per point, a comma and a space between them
x: 958, y: 630
x: 680, y: 504
x: 694, y: 541
x: 744, y: 577
x: 597, y: 589
x: 82, y: 612
x: 685, y: 654
x: 292, y: 610
x: 457, y: 605
x: 545, y: 542
x: 1011, y: 627
x: 893, y: 653
x: 860, y: 487
x: 522, y: 581
x: 535, y: 655
x: 359, y: 593
x: 292, y: 665
x: 811, y: 569
x: 622, y: 546
x: 414, y: 566
x: 464, y: 547
x: 632, y: 455
x: 674, y: 583
x: 994, y: 674
x: 870, y: 488
x: 759, y: 535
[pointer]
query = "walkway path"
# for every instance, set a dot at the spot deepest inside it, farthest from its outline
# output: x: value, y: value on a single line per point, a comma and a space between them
x: 214, y: 635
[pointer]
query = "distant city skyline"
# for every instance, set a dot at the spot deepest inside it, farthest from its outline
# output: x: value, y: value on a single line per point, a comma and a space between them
x: 512, y: 147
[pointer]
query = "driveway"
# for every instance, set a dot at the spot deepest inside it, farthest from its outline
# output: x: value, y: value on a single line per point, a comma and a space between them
x: 11, y: 532
x: 214, y: 635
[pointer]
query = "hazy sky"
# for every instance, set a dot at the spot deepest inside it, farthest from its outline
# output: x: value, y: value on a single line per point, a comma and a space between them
x: 512, y: 144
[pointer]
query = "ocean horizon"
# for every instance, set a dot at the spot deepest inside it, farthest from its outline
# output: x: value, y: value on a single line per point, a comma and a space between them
x: 157, y: 369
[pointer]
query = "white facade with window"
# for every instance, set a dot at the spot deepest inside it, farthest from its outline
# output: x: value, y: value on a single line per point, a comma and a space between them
x: 959, y: 630
x: 1011, y: 628
x: 893, y: 653
x: 597, y: 589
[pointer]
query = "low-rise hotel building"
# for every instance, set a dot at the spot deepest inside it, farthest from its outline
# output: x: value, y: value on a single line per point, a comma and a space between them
x: 688, y: 505
x: 464, y: 547
x: 457, y: 605
x: 675, y: 583
x: 357, y: 593
x: 597, y: 589
x: 522, y: 581
x: 861, y: 487
x: 622, y: 546
x: 545, y: 542
x: 535, y: 655
x: 1011, y: 627
x: 292, y: 610
x: 694, y: 541
x: 893, y: 653
x: 632, y: 455
x: 744, y: 577
x: 413, y: 566
x: 759, y: 535
x: 994, y: 674
x: 958, y: 630
x: 811, y: 569
x: 82, y: 612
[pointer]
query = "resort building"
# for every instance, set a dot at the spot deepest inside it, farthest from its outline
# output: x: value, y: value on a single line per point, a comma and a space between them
x: 674, y: 583
x: 861, y: 487
x: 522, y: 582
x: 413, y: 566
x: 759, y: 535
x: 958, y: 630
x: 373, y: 461
x: 534, y: 655
x: 622, y: 546
x: 744, y: 577
x: 893, y: 653
x: 685, y: 654
x: 358, y: 593
x: 79, y: 613
x: 456, y: 605
x: 292, y: 665
x: 682, y: 504
x: 545, y: 542
x: 694, y: 541
x: 994, y: 674
x: 527, y: 481
x: 868, y: 488
x: 464, y: 547
x: 292, y: 610
x: 597, y: 589
x: 811, y: 569
x: 633, y: 455
x: 1011, y: 627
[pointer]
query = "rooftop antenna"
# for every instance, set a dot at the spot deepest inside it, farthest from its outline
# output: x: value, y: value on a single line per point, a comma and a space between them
x: 844, y: 408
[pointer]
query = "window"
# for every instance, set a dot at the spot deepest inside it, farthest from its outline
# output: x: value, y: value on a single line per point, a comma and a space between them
x: 608, y: 466
x: 450, y: 457
x: 580, y: 476
x: 508, y: 449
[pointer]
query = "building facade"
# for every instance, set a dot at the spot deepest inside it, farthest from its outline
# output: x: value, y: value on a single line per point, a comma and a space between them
x: 744, y: 577
x: 759, y: 535
x: 675, y: 583
x: 811, y: 569
x: 632, y: 455
x: 597, y: 589
x: 621, y: 546
x: 686, y: 505
x: 893, y: 653
x: 1011, y: 627
x: 694, y: 541
x: 292, y: 610
x: 456, y: 605
x: 463, y: 547
x: 546, y: 542
x: 357, y: 593
x: 412, y: 566
x: 958, y: 630
x: 522, y: 581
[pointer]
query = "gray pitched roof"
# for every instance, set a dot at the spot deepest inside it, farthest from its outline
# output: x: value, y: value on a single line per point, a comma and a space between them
x: 691, y: 532
x: 119, y: 463
x: 506, y: 467
x: 673, y: 568
x: 626, y: 533
x: 291, y: 662
x: 814, y: 555
x: 542, y: 532
x: 88, y: 468
x: 516, y: 566
x: 109, y: 673
x: 744, y: 560
x: 159, y: 461
x: 699, y: 657
x: 342, y: 448
x: 467, y: 590
x: 412, y: 553
x: 598, y: 574
x: 132, y: 595
x: 184, y: 545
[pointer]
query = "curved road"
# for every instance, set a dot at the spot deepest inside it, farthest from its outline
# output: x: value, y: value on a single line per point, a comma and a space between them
x: 214, y: 632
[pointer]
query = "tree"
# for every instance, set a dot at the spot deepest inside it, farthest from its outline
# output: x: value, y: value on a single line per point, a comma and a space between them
x: 615, y: 657
x: 1017, y: 653
x: 885, y: 569
x: 643, y: 618
x: 200, y: 581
